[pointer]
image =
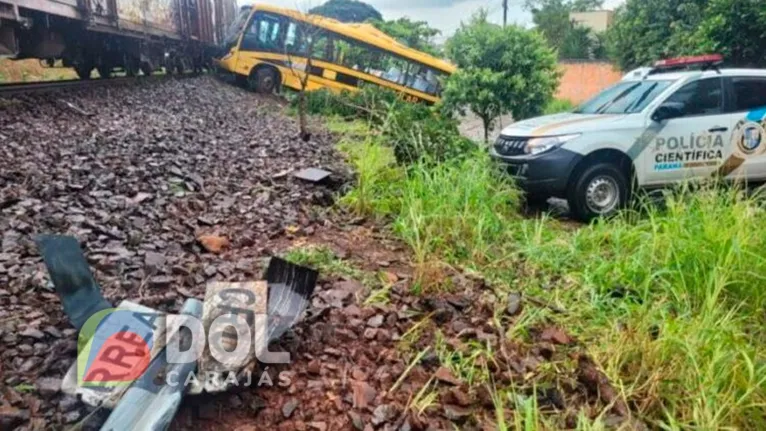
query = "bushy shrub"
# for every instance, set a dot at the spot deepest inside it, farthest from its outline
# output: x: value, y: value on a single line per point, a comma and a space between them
x: 369, y: 104
x: 434, y: 140
x: 414, y: 131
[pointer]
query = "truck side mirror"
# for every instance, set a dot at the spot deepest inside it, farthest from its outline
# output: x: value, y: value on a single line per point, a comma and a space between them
x: 667, y: 111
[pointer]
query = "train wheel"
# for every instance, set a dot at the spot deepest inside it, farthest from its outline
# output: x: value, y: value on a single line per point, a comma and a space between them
x: 83, y: 70
x: 264, y: 81
x: 105, y: 71
x: 131, y: 67
x: 146, y: 68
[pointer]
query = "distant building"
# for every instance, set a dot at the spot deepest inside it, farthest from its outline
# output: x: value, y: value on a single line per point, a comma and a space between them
x: 598, y: 20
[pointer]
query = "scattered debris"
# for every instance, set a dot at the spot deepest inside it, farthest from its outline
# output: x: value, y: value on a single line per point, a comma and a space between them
x: 513, y: 306
x: 313, y: 175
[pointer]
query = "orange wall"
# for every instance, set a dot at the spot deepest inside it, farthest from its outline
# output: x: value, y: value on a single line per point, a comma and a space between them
x: 582, y: 80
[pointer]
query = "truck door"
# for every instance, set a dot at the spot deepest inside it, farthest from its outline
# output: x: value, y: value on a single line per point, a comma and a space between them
x: 695, y: 144
x: 747, y: 103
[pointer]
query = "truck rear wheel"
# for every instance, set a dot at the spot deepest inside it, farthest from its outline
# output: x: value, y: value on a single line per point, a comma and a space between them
x: 599, y: 190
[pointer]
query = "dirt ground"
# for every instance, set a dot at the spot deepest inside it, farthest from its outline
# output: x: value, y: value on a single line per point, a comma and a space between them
x: 139, y: 172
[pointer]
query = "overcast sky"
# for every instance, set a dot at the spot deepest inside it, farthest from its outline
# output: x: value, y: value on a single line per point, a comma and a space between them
x: 442, y: 14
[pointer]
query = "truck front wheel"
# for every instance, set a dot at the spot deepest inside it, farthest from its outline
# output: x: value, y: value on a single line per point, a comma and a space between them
x: 599, y: 190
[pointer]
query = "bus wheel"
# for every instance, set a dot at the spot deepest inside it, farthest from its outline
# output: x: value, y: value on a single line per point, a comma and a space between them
x: 599, y: 191
x: 264, y: 80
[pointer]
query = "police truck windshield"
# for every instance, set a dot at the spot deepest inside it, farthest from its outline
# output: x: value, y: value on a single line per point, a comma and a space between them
x: 624, y: 98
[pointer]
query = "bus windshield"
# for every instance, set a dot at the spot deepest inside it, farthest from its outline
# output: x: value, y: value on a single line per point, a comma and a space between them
x: 626, y: 97
x: 235, y: 28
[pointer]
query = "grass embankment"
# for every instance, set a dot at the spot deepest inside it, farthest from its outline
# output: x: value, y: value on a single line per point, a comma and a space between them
x: 668, y: 303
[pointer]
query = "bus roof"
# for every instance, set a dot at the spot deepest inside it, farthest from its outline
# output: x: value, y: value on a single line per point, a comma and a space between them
x: 363, y: 32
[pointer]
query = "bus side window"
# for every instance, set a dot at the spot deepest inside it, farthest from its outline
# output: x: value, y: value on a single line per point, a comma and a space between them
x: 294, y: 42
x: 321, y: 49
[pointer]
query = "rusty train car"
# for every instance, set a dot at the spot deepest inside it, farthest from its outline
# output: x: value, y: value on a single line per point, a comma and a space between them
x: 107, y: 35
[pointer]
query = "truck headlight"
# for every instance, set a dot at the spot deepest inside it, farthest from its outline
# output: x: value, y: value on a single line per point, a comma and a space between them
x: 547, y: 143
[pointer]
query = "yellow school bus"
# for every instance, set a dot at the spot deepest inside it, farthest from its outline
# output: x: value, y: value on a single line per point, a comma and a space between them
x: 267, y: 45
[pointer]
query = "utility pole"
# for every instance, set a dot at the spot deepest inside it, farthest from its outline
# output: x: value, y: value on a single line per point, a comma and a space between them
x: 505, y: 12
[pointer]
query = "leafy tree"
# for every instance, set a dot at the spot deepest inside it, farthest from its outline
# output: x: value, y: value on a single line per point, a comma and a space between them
x: 647, y: 30
x: 734, y: 28
x: 415, y: 34
x: 502, y: 70
x: 347, y: 11
x: 552, y: 19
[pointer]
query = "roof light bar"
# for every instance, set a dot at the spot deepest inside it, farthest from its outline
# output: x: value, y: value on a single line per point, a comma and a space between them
x: 708, y: 59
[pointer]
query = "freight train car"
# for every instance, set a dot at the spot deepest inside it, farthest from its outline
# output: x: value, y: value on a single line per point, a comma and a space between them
x: 131, y: 35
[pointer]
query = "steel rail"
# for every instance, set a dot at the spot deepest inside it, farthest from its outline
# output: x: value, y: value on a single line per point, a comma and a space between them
x: 46, y: 86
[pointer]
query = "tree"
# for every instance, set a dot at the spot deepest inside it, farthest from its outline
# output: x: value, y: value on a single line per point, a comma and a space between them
x: 552, y: 19
x: 347, y: 11
x: 299, y: 61
x: 647, y: 30
x: 415, y: 34
x: 734, y: 28
x: 502, y: 70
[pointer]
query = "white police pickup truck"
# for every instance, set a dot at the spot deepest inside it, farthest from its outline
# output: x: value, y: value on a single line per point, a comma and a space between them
x: 656, y: 127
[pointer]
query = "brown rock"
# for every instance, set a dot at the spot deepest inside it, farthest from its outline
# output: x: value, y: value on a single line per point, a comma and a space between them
x: 456, y: 413
x: 443, y: 374
x: 11, y: 417
x: 459, y: 396
x: 356, y: 420
x: 213, y: 243
x: 389, y: 277
x: 375, y: 321
x: 555, y: 335
x: 48, y: 386
x: 363, y: 394
x: 314, y: 367
x: 383, y: 413
x: 321, y: 426
x: 289, y: 407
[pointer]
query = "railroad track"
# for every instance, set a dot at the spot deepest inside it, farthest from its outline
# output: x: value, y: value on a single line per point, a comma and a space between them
x: 46, y: 86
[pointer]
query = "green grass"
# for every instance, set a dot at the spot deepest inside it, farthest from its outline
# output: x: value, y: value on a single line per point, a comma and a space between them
x: 327, y: 263
x: 668, y: 302
x: 323, y: 260
x: 24, y: 388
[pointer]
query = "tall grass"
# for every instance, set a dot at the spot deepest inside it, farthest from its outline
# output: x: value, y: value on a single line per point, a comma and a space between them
x: 669, y: 301
x: 673, y: 303
x: 460, y: 209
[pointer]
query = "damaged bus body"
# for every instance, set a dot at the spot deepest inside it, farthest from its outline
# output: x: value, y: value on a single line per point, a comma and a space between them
x: 267, y: 46
x: 132, y: 35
